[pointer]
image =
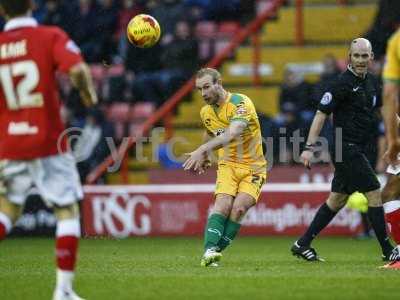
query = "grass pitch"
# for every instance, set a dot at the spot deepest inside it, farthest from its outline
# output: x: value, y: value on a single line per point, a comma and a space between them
x: 161, y: 268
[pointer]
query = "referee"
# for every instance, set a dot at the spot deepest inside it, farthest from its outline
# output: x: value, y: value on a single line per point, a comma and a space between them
x: 354, y: 100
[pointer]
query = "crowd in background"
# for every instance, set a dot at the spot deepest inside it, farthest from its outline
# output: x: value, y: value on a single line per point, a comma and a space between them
x: 122, y: 72
x: 298, y: 98
x: 98, y: 27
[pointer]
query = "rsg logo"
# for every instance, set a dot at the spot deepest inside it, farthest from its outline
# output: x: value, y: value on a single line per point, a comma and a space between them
x: 117, y: 214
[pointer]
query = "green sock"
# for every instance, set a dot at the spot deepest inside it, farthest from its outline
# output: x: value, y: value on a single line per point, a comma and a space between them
x: 230, y: 232
x: 214, y: 229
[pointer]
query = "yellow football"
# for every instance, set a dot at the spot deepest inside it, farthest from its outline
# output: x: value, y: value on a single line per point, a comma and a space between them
x: 143, y: 31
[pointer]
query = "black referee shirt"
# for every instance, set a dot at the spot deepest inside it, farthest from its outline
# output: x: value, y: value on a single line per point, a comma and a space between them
x: 354, y: 102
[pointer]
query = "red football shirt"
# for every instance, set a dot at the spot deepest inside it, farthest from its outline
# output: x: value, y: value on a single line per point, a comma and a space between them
x: 30, y: 56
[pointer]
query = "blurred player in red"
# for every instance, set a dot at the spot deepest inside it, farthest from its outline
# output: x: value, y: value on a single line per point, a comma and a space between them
x: 30, y: 126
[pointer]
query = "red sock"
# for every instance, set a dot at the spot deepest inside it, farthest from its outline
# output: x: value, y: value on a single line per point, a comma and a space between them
x: 393, y: 218
x: 66, y: 249
x: 5, y: 225
x: 3, y: 231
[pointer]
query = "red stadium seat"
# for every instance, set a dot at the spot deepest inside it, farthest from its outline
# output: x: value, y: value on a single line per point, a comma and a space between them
x: 142, y: 110
x: 228, y: 29
x: 116, y: 70
x: 220, y: 44
x: 119, y: 112
x: 262, y: 5
x: 138, y: 114
x: 119, y: 115
x: 98, y: 71
x: 135, y: 129
x: 206, y: 30
x: 205, y: 49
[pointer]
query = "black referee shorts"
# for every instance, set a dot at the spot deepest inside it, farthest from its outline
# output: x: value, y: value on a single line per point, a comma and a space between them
x: 355, y: 172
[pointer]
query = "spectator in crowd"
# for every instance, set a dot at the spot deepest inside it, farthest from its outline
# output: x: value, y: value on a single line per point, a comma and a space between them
x: 106, y: 26
x: 92, y: 145
x: 140, y: 71
x: 296, y: 94
x: 168, y: 13
x: 179, y: 59
x: 293, y: 104
x: 85, y: 32
x: 38, y: 10
x: 2, y: 22
x: 59, y: 14
x: 247, y: 9
x: 130, y: 8
x: 330, y: 70
x: 222, y: 10
x: 387, y: 20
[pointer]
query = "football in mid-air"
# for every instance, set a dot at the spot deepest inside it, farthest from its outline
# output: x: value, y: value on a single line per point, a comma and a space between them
x: 143, y: 31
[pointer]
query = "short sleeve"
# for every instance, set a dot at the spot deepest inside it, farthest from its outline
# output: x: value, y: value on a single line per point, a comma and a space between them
x: 332, y: 96
x: 391, y: 69
x: 65, y: 52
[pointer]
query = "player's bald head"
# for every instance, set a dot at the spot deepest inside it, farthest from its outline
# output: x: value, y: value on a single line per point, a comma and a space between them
x: 360, y: 55
x: 14, y: 8
x: 360, y: 44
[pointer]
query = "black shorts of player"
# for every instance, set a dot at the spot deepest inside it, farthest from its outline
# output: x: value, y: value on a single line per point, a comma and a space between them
x: 354, y: 172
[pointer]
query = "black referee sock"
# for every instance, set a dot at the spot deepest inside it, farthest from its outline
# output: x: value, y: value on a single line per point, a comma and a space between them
x: 321, y: 219
x: 377, y: 219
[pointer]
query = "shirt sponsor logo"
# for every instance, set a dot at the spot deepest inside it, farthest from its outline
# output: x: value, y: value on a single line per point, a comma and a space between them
x: 326, y: 98
x: 219, y: 131
x: 241, y: 110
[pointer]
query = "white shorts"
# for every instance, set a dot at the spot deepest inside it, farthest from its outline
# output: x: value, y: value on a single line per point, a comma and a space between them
x: 394, y: 170
x: 55, y: 177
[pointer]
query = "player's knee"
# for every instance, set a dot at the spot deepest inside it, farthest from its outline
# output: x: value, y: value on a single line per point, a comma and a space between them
x: 222, y: 210
x: 237, y: 213
x: 389, y: 193
x: 223, y: 205
x: 67, y: 212
x: 336, y: 204
x: 374, y: 198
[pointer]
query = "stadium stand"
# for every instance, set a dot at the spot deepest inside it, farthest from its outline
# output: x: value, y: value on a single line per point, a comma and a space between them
x: 278, y: 53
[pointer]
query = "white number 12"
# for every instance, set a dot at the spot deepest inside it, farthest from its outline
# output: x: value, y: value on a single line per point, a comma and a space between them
x: 21, y: 95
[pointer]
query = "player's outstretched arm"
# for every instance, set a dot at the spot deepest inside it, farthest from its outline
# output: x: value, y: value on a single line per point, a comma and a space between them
x: 316, y: 126
x: 390, y: 117
x: 196, y: 157
x: 82, y: 80
x: 207, y: 136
